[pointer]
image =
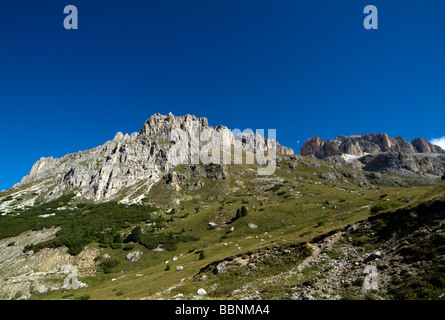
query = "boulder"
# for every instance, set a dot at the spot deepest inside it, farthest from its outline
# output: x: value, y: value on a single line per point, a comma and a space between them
x: 202, y: 292
x: 374, y: 256
x: 133, y: 256
x: 329, y: 176
x: 220, y: 268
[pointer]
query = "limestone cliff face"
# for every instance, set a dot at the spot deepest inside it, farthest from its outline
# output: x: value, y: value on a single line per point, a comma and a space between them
x: 363, y: 144
x: 408, y: 163
x: 126, y: 164
x: 380, y: 153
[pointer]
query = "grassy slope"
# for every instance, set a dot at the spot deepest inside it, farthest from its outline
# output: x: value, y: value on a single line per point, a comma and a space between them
x: 302, y: 208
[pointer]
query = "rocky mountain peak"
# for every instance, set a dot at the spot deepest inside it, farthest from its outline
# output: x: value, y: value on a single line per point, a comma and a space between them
x: 161, y: 125
x: 363, y: 144
x: 125, y: 166
x: 423, y: 146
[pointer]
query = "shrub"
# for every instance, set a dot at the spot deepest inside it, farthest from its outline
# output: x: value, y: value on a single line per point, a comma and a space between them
x: 116, y: 245
x: 136, y: 234
x: 78, y: 229
x: 149, y: 241
x: 129, y: 247
x: 170, y: 245
x: 305, y: 233
x: 275, y: 188
x: 109, y: 264
x: 243, y: 211
x: 385, y: 205
x: 202, y: 255
x: 167, y: 267
x: 118, y: 238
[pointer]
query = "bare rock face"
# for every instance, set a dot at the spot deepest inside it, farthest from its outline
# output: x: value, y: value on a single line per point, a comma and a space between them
x: 423, y: 146
x: 408, y: 163
x: 379, y: 153
x: 364, y: 144
x: 22, y: 272
x: 317, y: 147
x: 128, y: 164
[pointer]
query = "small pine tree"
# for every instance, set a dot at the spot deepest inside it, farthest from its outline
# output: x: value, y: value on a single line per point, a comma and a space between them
x: 167, y: 267
x: 238, y: 213
x: 243, y: 211
x: 136, y: 234
x: 202, y: 255
x: 117, y: 238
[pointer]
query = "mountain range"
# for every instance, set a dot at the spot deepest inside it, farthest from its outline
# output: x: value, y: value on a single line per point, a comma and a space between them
x: 132, y: 163
x: 137, y: 223
x: 380, y: 153
x: 363, y: 144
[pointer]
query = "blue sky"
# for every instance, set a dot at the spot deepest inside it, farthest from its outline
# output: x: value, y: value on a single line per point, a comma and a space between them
x: 303, y: 67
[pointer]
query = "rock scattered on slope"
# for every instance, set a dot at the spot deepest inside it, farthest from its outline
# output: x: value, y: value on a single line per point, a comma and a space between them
x: 133, y: 256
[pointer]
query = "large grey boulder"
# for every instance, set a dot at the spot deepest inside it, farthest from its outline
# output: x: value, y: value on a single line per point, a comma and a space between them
x: 133, y: 256
x: 220, y: 268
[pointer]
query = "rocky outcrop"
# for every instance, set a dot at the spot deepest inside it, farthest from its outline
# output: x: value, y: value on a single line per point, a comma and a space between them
x: 379, y: 153
x: 133, y: 256
x: 23, y: 272
x: 408, y: 163
x: 359, y: 145
x: 133, y: 163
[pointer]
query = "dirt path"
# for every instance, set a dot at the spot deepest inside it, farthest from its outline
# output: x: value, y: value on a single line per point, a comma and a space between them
x: 327, y: 243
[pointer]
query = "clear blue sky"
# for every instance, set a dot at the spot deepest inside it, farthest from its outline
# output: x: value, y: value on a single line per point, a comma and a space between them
x: 303, y: 67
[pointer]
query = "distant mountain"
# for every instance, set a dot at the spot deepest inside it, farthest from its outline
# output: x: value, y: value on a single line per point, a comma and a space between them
x: 363, y: 144
x: 380, y: 153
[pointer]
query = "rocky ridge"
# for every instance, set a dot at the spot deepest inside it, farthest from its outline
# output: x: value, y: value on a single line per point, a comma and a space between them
x: 380, y: 153
x: 128, y: 163
x: 363, y: 144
